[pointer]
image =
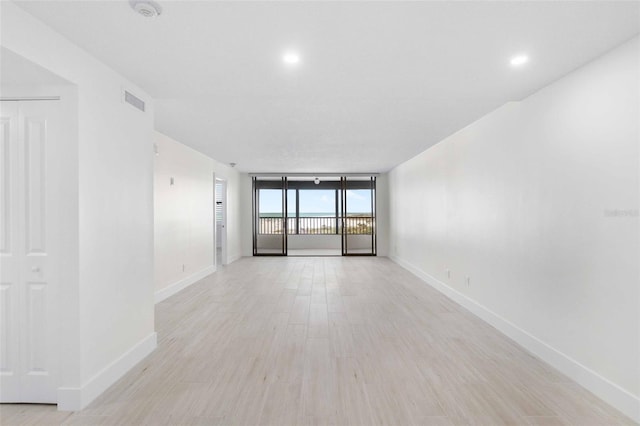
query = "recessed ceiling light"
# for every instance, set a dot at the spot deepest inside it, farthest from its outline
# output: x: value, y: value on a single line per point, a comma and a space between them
x: 291, y: 58
x: 516, y: 61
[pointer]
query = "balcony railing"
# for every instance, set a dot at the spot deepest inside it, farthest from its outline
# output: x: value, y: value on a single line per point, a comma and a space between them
x: 316, y: 225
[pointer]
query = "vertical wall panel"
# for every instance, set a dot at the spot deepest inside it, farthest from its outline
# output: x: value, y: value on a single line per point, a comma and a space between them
x: 35, y: 135
x: 5, y: 181
x: 36, y: 327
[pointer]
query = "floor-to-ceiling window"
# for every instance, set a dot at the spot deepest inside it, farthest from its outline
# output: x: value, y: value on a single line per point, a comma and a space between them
x: 269, y: 216
x: 359, y: 216
x: 314, y: 215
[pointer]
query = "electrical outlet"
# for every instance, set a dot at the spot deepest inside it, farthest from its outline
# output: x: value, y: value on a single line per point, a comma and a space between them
x: 468, y: 281
x: 183, y: 268
x: 448, y: 273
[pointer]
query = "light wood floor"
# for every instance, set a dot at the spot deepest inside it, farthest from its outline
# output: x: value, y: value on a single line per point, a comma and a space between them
x: 331, y: 340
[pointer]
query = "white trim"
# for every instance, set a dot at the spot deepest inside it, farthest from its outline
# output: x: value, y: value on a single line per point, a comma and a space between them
x: 174, y: 288
x: 233, y: 258
x: 608, y: 391
x: 29, y: 98
x: 75, y: 399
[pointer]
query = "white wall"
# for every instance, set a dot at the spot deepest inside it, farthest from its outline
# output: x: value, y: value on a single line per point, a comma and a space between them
x: 382, y: 213
x: 184, y: 215
x: 235, y: 210
x: 245, y: 215
x: 113, y: 288
x: 522, y: 201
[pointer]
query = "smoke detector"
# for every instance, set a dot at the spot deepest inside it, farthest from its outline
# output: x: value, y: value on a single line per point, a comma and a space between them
x: 146, y: 8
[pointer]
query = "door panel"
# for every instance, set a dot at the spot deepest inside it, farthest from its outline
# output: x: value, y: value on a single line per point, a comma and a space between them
x: 34, y: 185
x: 6, y: 343
x: 10, y: 370
x: 358, y: 216
x: 8, y: 132
x: 269, y: 216
x: 28, y: 372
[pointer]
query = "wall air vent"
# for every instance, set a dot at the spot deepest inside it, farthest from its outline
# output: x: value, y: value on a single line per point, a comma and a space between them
x: 134, y: 101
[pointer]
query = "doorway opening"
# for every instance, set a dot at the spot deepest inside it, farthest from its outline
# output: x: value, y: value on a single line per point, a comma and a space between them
x: 38, y: 114
x: 221, y: 222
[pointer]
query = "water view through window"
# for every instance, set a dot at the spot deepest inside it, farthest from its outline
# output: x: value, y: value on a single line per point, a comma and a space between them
x: 315, y: 211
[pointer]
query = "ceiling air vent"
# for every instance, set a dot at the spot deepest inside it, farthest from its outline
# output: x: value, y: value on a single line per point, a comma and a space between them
x: 134, y: 101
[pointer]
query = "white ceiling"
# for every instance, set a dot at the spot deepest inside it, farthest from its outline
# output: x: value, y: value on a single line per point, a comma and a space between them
x: 379, y: 82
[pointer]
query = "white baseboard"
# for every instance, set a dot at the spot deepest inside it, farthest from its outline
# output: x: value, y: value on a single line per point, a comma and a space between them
x: 608, y: 391
x: 232, y: 259
x: 75, y: 399
x: 174, y: 288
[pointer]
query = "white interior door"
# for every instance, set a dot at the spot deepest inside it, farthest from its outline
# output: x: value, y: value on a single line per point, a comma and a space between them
x: 28, y: 359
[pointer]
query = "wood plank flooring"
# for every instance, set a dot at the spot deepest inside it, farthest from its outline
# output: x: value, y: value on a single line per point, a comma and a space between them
x: 335, y: 341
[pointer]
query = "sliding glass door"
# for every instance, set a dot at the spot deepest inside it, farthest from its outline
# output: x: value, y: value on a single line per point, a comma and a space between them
x: 270, y: 216
x: 314, y: 226
x: 316, y: 215
x: 359, y: 216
